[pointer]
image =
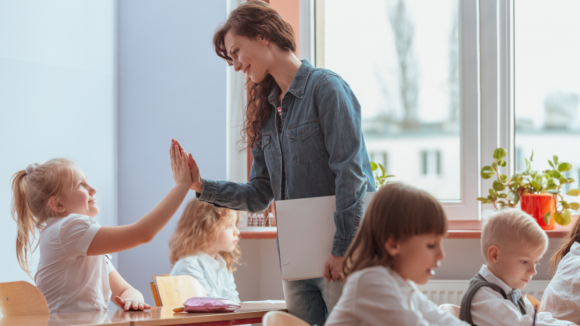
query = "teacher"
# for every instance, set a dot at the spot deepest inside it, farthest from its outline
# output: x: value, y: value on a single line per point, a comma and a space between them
x: 303, y: 126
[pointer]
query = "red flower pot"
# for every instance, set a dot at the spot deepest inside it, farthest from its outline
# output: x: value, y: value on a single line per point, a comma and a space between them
x: 537, y: 205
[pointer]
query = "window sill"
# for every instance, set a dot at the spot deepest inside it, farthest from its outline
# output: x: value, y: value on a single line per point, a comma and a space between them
x: 457, y: 230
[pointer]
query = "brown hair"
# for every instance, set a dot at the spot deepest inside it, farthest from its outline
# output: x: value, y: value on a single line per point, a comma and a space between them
x: 572, y: 237
x: 198, y: 228
x: 253, y: 19
x: 30, y: 208
x: 398, y: 211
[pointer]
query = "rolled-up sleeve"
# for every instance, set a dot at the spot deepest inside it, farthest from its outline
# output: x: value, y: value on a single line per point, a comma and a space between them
x: 340, y: 120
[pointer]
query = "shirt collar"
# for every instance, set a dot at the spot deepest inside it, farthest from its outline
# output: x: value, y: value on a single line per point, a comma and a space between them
x: 406, y: 287
x: 575, y: 248
x: 298, y: 83
x: 215, y: 263
x: 491, y: 278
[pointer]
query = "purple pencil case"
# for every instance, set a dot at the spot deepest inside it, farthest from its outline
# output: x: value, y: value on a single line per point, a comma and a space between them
x: 207, y: 304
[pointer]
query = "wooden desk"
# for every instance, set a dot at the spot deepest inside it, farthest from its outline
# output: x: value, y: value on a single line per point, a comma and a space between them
x: 249, y: 313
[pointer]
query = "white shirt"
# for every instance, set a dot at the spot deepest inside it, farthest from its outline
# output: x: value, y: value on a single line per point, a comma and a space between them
x: 213, y: 275
x: 488, y: 307
x: 562, y: 296
x: 70, y: 280
x: 379, y: 296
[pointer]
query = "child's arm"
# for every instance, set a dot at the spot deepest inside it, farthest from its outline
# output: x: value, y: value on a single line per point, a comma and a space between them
x: 124, y: 295
x: 110, y: 239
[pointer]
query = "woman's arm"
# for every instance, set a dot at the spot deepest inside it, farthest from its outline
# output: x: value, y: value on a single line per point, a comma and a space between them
x: 340, y: 121
x: 254, y: 196
x: 110, y: 239
x: 124, y: 295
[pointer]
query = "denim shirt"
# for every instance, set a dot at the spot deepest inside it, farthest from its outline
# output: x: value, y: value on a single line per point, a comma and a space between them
x: 320, y: 147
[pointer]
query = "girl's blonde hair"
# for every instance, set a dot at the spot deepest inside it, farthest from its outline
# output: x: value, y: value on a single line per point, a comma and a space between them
x: 32, y: 189
x: 198, y: 228
x: 396, y: 211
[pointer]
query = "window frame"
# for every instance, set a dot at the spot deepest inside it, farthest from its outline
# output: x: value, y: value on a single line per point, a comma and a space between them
x: 486, y: 94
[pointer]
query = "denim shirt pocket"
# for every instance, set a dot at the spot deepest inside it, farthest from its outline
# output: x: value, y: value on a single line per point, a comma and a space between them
x: 306, y: 143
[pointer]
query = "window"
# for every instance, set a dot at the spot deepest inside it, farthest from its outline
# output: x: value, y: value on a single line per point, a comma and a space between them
x: 547, y: 103
x: 413, y: 66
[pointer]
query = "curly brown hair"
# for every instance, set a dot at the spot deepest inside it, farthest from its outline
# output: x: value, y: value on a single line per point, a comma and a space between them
x: 198, y: 228
x: 255, y: 19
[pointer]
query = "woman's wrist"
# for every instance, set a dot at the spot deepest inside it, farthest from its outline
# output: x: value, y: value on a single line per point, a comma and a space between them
x: 197, y: 186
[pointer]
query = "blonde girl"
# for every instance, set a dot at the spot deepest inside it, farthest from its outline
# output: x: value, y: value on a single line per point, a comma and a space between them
x: 397, y: 245
x: 75, y: 273
x: 562, y: 296
x: 205, y: 246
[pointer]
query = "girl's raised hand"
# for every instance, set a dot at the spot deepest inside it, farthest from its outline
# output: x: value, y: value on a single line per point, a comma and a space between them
x: 197, y: 184
x: 180, y: 165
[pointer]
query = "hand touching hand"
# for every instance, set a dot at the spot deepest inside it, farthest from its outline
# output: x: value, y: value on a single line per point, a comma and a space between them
x: 131, y: 304
x: 180, y: 166
x: 197, y: 184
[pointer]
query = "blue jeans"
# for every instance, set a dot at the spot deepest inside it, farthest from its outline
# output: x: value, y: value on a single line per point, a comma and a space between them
x: 312, y: 300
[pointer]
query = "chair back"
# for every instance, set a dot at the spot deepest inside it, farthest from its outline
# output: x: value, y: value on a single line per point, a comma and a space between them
x: 533, y: 301
x: 175, y: 290
x: 280, y: 318
x: 21, y: 299
x: 450, y: 308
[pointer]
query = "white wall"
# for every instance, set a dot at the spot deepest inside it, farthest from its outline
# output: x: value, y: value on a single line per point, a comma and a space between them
x: 171, y: 85
x: 56, y: 100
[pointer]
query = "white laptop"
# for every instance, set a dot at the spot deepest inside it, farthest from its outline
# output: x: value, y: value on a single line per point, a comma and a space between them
x: 305, y: 234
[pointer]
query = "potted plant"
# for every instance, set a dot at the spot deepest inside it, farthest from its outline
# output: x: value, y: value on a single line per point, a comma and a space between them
x: 540, y: 193
x: 380, y: 178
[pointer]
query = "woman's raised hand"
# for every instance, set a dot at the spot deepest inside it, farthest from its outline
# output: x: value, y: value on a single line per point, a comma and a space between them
x: 197, y: 184
x: 180, y: 165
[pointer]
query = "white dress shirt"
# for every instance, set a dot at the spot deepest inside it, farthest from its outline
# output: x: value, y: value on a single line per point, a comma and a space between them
x: 70, y: 280
x: 488, y: 307
x: 213, y: 275
x: 379, y: 296
x: 562, y: 296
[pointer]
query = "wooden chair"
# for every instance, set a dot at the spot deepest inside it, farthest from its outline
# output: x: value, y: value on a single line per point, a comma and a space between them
x: 21, y: 299
x: 279, y: 318
x: 533, y: 301
x: 175, y: 290
x: 450, y: 308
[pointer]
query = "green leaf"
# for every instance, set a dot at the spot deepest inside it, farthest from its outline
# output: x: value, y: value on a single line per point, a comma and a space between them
x: 548, y: 218
x: 573, y: 192
x: 528, y: 166
x: 564, y: 167
x: 483, y: 199
x: 382, y: 168
x: 555, y: 160
x: 551, y: 164
x: 556, y: 174
x: 503, y: 178
x: 502, y: 195
x: 554, y: 192
x: 575, y: 206
x: 570, y: 180
x: 532, y: 157
x: 499, y: 153
x: 374, y: 166
x: 513, y: 196
x: 501, y: 163
x: 536, y: 186
x: 563, y: 219
x: 562, y: 180
x: 498, y: 186
x: 491, y: 192
x: 487, y: 172
x: 565, y: 205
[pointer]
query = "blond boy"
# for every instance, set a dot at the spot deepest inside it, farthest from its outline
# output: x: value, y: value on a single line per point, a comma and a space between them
x: 512, y: 244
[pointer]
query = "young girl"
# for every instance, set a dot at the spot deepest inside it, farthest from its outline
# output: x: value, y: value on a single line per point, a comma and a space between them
x: 562, y: 296
x: 205, y: 246
x: 75, y: 273
x: 397, y: 245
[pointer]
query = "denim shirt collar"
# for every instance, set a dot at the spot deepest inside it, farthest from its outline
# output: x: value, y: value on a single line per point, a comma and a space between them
x: 298, y: 83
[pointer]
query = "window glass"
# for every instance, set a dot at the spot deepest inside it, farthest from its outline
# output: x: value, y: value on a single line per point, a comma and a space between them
x: 401, y: 59
x: 547, y: 84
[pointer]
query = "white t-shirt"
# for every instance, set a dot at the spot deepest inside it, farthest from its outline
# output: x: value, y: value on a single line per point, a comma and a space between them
x: 70, y: 280
x: 489, y: 308
x: 562, y: 296
x: 379, y: 296
x: 213, y: 275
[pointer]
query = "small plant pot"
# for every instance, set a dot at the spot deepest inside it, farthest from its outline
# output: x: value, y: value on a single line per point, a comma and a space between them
x: 537, y: 205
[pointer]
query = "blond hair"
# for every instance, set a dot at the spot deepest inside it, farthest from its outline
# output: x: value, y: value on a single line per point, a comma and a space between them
x: 198, y: 228
x: 396, y: 211
x: 510, y: 226
x: 32, y: 191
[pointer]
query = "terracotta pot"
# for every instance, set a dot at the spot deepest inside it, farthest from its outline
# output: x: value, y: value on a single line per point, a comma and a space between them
x: 537, y: 205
